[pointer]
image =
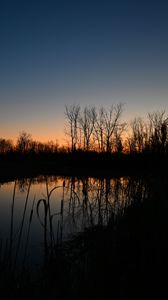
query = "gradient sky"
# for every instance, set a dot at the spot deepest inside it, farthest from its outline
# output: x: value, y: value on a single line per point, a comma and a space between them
x: 54, y: 53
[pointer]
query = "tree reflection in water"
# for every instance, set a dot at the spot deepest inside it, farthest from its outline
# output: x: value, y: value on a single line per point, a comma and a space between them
x: 57, y: 208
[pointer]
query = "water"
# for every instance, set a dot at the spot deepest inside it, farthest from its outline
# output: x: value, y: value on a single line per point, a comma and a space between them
x: 38, y: 213
x: 38, y: 216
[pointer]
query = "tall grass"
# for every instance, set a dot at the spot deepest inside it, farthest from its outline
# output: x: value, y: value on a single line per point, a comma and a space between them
x: 50, y: 239
x: 21, y: 226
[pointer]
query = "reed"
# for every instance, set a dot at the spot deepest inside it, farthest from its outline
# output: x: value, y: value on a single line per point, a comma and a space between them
x: 21, y: 227
x: 11, y: 225
x: 47, y: 224
x: 28, y: 233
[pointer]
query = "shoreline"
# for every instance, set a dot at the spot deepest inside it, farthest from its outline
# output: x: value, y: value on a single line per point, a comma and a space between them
x: 114, y: 167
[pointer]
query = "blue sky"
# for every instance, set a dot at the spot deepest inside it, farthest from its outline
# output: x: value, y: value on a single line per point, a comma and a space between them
x: 55, y: 53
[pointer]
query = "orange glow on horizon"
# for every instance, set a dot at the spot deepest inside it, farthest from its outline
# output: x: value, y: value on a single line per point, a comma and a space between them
x: 60, y: 139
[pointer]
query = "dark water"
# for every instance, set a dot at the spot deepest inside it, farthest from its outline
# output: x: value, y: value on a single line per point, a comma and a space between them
x: 40, y: 212
x: 45, y: 247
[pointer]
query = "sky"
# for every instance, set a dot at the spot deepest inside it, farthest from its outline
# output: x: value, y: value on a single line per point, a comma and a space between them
x: 57, y: 53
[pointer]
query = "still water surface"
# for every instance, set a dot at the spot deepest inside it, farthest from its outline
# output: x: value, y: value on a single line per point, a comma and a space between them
x: 40, y: 212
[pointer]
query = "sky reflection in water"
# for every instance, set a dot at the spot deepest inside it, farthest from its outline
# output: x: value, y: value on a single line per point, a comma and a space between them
x: 72, y: 205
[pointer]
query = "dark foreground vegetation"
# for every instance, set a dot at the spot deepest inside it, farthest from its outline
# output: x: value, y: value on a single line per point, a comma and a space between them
x: 126, y: 259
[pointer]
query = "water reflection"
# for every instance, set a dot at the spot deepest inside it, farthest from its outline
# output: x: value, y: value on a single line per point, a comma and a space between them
x: 37, y: 214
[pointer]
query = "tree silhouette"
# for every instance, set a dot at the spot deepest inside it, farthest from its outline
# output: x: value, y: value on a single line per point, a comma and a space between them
x: 86, y: 122
x: 23, y: 142
x: 72, y: 115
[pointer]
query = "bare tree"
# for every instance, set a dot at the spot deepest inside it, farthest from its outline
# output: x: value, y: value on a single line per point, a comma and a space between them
x: 164, y: 133
x: 158, y: 129
x: 111, y: 120
x: 99, y: 129
x: 23, y: 142
x: 5, y: 145
x: 139, y: 134
x: 87, y: 121
x: 72, y: 115
x: 149, y: 135
x: 118, y: 144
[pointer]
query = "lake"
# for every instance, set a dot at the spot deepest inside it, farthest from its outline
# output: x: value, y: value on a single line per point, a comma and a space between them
x: 37, y: 213
x: 79, y: 235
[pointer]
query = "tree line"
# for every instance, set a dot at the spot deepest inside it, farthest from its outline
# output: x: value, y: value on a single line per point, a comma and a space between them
x: 100, y: 130
x: 103, y: 130
x: 25, y: 144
